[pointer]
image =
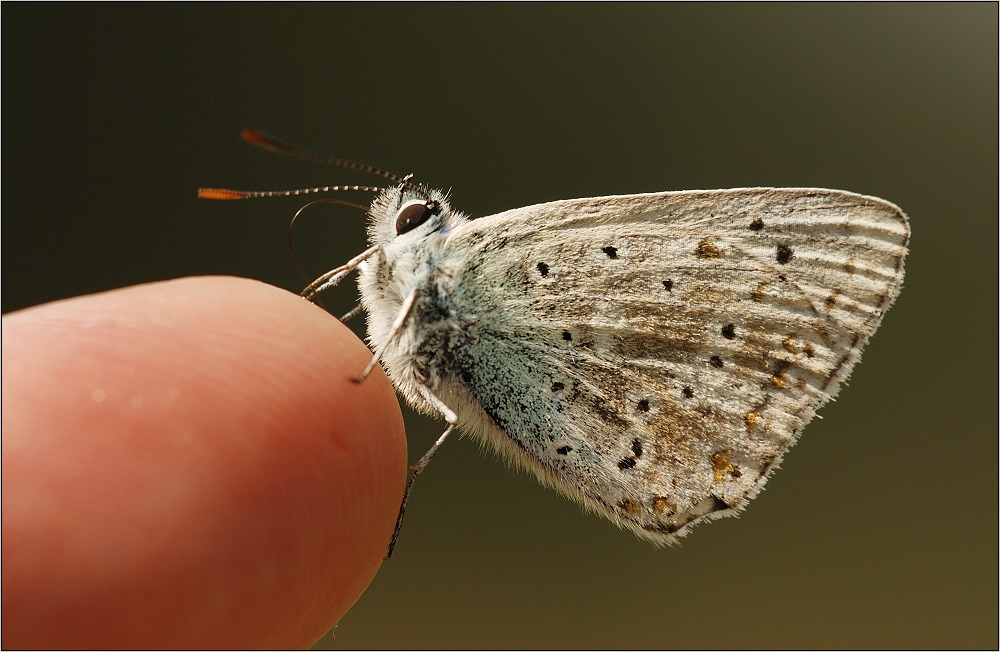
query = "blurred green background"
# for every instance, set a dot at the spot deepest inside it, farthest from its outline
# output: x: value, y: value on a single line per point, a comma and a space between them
x: 880, y: 530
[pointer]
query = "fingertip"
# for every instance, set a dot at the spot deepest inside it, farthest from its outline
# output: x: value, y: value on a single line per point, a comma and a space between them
x: 228, y: 431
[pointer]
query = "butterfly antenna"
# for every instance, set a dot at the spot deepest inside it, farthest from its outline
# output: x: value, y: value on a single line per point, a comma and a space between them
x: 225, y: 193
x: 272, y: 144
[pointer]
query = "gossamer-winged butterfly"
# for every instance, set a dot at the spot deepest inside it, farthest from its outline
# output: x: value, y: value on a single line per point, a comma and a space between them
x: 651, y: 356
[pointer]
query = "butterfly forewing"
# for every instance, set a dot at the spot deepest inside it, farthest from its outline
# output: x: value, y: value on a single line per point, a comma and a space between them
x: 678, y: 342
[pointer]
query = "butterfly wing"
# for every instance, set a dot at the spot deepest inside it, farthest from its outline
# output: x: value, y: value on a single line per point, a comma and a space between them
x: 654, y: 356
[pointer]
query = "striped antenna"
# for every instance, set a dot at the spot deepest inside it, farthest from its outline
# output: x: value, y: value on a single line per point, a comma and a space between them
x: 224, y: 193
x: 272, y: 144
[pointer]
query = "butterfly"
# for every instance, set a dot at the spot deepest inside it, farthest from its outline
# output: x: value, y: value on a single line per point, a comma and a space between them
x: 651, y: 356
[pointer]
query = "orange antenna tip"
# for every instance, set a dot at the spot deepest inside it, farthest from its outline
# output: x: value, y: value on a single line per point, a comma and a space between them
x: 252, y: 136
x: 220, y: 193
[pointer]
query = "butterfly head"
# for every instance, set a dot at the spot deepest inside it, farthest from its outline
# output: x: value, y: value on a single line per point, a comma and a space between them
x: 407, y: 213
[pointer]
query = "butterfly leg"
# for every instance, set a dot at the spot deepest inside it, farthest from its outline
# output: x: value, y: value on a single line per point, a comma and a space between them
x: 351, y: 314
x: 394, y: 330
x: 425, y: 393
x: 336, y: 275
x: 452, y: 419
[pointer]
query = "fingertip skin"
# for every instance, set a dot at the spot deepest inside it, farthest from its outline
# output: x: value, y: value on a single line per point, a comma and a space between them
x: 190, y: 464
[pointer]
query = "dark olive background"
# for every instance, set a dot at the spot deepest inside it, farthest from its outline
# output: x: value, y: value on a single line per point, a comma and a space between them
x: 880, y: 530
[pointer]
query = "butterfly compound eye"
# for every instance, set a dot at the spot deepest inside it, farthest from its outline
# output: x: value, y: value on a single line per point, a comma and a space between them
x: 412, y: 214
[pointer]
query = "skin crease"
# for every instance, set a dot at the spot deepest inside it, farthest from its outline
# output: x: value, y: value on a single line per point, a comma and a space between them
x: 188, y: 464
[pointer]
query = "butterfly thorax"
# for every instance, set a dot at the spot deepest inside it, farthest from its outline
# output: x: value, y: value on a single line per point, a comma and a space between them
x: 414, y: 262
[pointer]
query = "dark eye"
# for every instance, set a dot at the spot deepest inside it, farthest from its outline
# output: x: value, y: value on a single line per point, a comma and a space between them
x: 413, y: 214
